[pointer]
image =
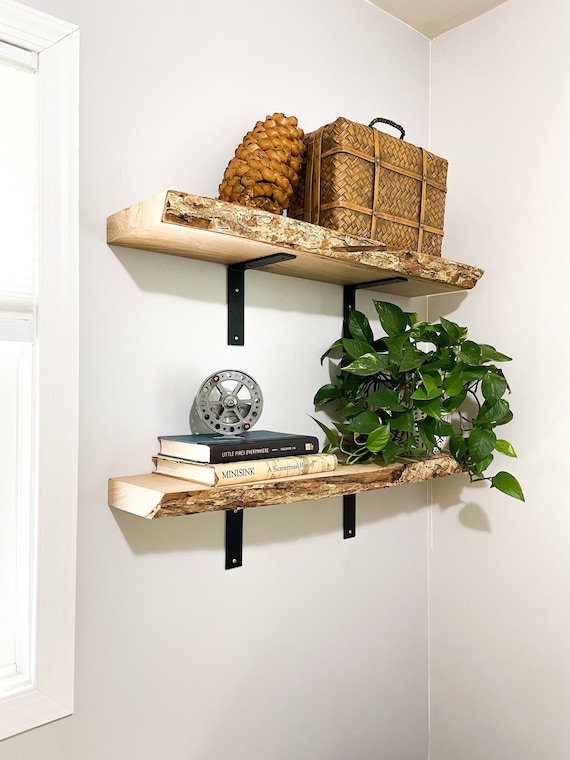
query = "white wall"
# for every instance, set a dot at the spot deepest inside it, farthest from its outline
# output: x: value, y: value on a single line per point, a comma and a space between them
x: 500, y: 570
x: 317, y: 647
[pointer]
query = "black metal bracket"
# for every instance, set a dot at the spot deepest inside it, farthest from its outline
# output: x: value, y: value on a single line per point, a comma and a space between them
x: 349, y: 294
x: 234, y: 538
x: 236, y: 293
x: 349, y: 515
x: 349, y: 302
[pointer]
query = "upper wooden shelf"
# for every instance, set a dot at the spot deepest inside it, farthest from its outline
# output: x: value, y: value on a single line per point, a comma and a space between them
x: 154, y: 495
x: 202, y: 228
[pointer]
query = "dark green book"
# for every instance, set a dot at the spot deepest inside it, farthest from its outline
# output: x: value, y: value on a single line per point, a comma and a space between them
x: 253, y: 444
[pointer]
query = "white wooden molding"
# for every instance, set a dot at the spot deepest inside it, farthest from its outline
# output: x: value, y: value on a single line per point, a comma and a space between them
x: 46, y: 692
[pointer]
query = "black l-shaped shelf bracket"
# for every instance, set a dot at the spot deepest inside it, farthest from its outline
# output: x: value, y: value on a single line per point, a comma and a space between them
x: 236, y: 293
x: 349, y: 293
x: 234, y: 530
x: 234, y: 538
x: 349, y: 302
x: 349, y: 515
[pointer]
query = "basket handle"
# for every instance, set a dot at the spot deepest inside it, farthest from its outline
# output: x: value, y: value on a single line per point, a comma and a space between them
x: 391, y: 123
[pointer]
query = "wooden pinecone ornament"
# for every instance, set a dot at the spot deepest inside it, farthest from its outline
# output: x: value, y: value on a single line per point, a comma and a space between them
x: 265, y: 168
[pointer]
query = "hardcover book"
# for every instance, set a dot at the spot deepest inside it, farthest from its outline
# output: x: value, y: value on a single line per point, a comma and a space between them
x: 253, y: 444
x: 230, y: 473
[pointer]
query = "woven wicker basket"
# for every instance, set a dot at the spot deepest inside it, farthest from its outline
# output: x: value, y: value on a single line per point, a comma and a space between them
x: 360, y: 181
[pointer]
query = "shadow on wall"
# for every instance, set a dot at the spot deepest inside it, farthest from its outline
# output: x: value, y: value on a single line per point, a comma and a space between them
x: 206, y: 281
x: 471, y: 515
x: 264, y: 526
x: 444, y: 304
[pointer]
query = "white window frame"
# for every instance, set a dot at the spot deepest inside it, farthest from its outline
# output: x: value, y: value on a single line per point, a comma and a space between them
x: 48, y: 694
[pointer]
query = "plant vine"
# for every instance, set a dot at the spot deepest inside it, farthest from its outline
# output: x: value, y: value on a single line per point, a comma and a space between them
x: 421, y: 388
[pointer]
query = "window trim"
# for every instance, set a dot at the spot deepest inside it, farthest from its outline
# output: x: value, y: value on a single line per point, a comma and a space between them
x: 49, y: 695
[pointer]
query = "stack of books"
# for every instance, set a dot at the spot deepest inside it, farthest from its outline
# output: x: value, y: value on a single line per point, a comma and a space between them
x: 216, y: 460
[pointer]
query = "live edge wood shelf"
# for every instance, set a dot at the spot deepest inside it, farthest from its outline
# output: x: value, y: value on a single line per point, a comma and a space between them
x: 152, y: 495
x: 202, y: 228
x: 240, y: 238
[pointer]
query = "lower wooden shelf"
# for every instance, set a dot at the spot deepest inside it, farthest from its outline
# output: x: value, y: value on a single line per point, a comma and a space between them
x: 152, y: 495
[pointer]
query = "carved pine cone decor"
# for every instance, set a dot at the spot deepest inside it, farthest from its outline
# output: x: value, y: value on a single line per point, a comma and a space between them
x: 265, y: 168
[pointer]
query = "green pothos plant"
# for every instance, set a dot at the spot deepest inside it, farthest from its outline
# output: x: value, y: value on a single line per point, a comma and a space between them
x: 420, y: 389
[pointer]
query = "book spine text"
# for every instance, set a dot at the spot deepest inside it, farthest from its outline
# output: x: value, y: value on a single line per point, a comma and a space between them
x: 268, y: 469
x: 235, y: 453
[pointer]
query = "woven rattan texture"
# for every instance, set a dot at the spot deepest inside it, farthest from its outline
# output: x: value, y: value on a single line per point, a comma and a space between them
x: 337, y: 191
x: 345, y: 132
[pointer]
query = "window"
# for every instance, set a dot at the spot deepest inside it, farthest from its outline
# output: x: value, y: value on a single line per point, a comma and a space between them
x: 38, y: 365
x: 17, y: 201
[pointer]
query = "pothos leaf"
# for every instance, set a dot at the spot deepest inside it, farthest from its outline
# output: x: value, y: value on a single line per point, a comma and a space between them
x: 368, y: 364
x: 508, y: 484
x: 431, y: 407
x: 490, y: 354
x: 471, y: 353
x: 492, y: 414
x: 349, y: 408
x: 404, y: 422
x: 352, y: 386
x: 332, y: 437
x: 326, y: 393
x: 429, y: 389
x: 359, y: 326
x: 427, y: 436
x: 385, y: 398
x: 392, y: 318
x: 356, y: 347
x: 364, y: 423
x: 453, y: 403
x: 378, y: 439
x: 335, y: 345
x: 453, y: 384
x: 493, y: 386
x: 412, y: 359
x: 504, y: 447
x: 455, y: 333
x: 478, y: 468
x: 391, y: 451
x: 457, y: 447
x: 481, y: 443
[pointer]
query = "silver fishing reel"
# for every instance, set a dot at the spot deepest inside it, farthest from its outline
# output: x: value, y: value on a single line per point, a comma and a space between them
x: 229, y: 402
